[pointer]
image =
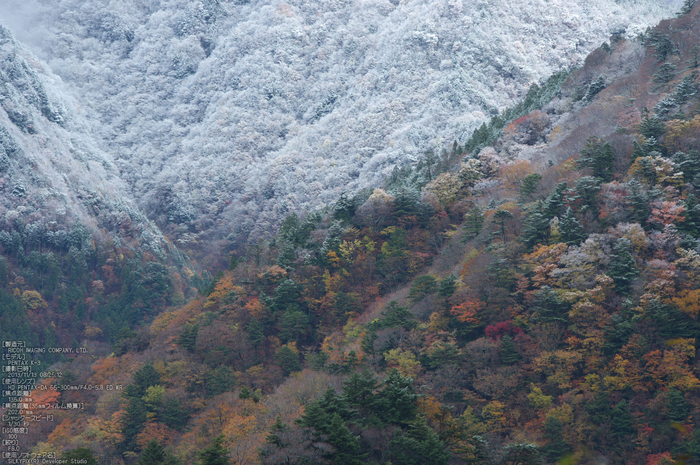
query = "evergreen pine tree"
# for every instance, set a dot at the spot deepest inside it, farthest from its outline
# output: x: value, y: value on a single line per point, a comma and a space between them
x: 639, y: 202
x: 694, y: 61
x: 664, y: 47
x: 255, y: 331
x: 188, y: 337
x: 599, y: 157
x: 473, y: 223
x: 587, y: 188
x: 522, y: 454
x: 172, y: 414
x: 685, y: 90
x: 595, y: 87
x: 344, y: 208
x: 549, y: 308
x: 359, y: 389
x: 599, y: 410
x: 536, y: 226
x: 144, y: 378
x: 555, y: 201
x: 664, y: 73
x: 277, y: 428
x: 508, y: 354
x: 621, y: 421
x: 288, y: 360
x: 216, y: 454
x: 529, y: 184
x: 651, y: 126
x: 691, y: 215
x: 448, y: 286
x: 134, y: 420
x: 367, y: 345
x: 678, y: 409
x: 418, y: 446
x: 153, y: 454
x: 346, y: 444
x: 500, y: 218
x: 689, y: 163
x: 623, y: 268
x: 557, y: 447
x: 396, y: 402
x: 687, y: 7
x: 571, y: 230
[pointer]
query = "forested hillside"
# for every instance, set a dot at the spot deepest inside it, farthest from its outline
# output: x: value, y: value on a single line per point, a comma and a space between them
x: 224, y: 116
x: 528, y: 296
x: 78, y: 258
x: 143, y: 142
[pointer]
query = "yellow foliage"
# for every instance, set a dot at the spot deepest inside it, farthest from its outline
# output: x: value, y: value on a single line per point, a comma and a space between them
x: 438, y: 322
x: 664, y: 170
x: 679, y: 133
x: 671, y: 368
x: 353, y: 331
x: 538, y: 400
x: 446, y: 187
x: 348, y: 248
x: 154, y: 394
x: 223, y: 288
x: 111, y: 370
x: 621, y: 376
x: 92, y: 332
x: 559, y: 366
x: 108, y: 431
x: 689, y: 302
x: 33, y: 300
x: 563, y: 413
x: 468, y: 260
x: 545, y: 259
x: 636, y: 235
x: 557, y: 131
x: 239, y: 426
x: 256, y: 370
x: 333, y: 282
x: 161, y: 322
x: 494, y: 415
x: 690, y: 262
x: 333, y: 258
x: 429, y: 406
x: 187, y: 273
x: 403, y: 361
x: 273, y: 274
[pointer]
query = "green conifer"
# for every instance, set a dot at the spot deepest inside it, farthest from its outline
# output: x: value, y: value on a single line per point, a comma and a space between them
x: 571, y: 230
x: 473, y: 223
x: 153, y: 454
x: 216, y: 454
x: 508, y: 354
x: 623, y: 268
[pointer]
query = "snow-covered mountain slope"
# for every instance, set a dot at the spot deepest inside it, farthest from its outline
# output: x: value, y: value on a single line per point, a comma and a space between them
x: 222, y: 116
x: 54, y: 178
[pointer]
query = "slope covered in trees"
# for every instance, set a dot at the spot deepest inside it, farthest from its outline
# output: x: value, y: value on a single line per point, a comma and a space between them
x: 223, y: 116
x: 530, y: 296
x: 79, y: 259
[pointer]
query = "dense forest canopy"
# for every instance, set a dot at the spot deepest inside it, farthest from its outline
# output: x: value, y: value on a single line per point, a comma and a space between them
x: 223, y: 116
x: 528, y: 294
